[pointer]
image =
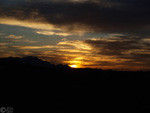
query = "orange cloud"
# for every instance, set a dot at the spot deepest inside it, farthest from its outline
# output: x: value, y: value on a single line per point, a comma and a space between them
x: 33, y: 47
x: 40, y: 27
x: 14, y: 37
x: 113, y: 53
x: 26, y: 23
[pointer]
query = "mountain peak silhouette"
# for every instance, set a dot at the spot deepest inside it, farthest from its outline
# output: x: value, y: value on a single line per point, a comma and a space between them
x: 34, y: 61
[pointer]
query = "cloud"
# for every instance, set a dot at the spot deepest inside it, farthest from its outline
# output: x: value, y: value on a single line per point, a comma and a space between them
x: 112, y: 52
x: 127, y: 50
x: 58, y: 32
x: 1, y: 34
x: 14, y: 37
x: 66, y: 52
x: 29, y: 41
x: 40, y: 27
x: 27, y: 23
x: 45, y: 32
x: 117, y: 51
x: 77, y: 44
x: 118, y: 44
x: 33, y: 47
x: 3, y: 44
x: 110, y: 16
x: 146, y: 40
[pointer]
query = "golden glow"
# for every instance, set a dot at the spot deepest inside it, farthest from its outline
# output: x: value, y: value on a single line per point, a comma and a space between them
x: 73, y: 66
x: 41, y: 26
x: 27, y: 23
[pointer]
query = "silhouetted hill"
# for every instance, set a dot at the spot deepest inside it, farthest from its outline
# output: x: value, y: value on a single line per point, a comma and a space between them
x: 32, y: 88
x: 32, y: 61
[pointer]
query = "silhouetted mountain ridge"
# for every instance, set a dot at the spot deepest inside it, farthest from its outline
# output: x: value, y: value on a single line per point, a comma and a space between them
x: 30, y: 60
x: 30, y: 88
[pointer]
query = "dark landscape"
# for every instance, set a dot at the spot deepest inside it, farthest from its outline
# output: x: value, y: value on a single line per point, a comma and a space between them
x: 31, y: 85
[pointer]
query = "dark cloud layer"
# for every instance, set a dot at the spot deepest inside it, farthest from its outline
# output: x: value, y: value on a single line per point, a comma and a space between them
x: 95, y: 15
x: 131, y: 49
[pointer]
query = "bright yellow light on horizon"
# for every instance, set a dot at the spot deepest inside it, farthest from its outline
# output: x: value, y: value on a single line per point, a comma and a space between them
x: 73, y: 66
x: 75, y: 63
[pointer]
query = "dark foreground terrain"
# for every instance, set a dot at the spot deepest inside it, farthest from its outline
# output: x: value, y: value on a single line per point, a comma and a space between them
x: 30, y: 88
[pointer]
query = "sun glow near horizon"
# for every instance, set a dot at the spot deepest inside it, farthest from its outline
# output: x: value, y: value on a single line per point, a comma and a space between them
x: 73, y: 66
x: 75, y: 63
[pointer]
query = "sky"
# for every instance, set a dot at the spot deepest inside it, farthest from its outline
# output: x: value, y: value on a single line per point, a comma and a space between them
x: 105, y: 34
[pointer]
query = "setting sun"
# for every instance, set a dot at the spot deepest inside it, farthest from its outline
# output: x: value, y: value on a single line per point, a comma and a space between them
x: 73, y: 66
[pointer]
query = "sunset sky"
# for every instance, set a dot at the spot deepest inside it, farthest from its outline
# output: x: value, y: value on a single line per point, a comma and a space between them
x: 106, y: 34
